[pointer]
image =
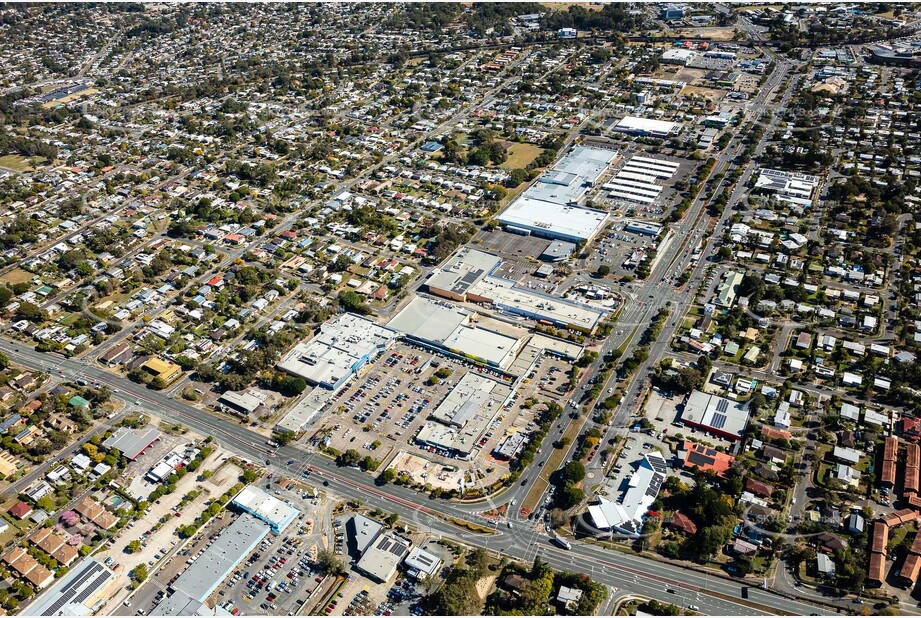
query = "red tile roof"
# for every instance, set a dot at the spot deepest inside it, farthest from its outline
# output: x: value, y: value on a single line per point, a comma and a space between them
x: 706, y: 458
x: 772, y: 433
x: 758, y: 488
x: 20, y: 510
x: 911, y: 428
x: 682, y: 522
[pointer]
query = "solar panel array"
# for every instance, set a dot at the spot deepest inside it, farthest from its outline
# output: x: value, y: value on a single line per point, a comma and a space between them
x: 391, y: 545
x: 93, y: 576
x: 719, y: 416
x: 699, y: 459
x: 655, y: 483
x: 657, y: 462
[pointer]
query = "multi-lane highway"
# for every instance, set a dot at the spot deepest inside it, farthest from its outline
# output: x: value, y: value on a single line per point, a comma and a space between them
x: 626, y: 574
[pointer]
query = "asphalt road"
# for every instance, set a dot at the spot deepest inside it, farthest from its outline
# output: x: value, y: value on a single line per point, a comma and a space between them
x: 626, y: 574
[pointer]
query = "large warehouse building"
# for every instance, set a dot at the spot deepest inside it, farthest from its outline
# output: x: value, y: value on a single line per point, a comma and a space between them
x: 636, y: 181
x: 647, y: 127
x: 716, y: 415
x: 381, y: 551
x: 189, y: 592
x: 461, y: 419
x: 266, y: 507
x: 466, y: 277
x: 342, y: 347
x: 507, y: 296
x: 79, y: 593
x: 131, y: 442
x: 549, y: 208
x: 790, y: 187
x: 461, y: 272
x: 628, y: 515
x: 452, y: 329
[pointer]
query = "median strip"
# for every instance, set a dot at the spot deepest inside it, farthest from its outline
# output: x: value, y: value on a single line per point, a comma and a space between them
x: 542, y: 481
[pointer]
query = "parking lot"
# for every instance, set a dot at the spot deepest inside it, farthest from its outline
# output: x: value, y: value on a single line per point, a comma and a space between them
x: 278, y: 576
x: 619, y: 250
x: 512, y: 246
x: 380, y: 413
x: 636, y: 446
x: 361, y: 596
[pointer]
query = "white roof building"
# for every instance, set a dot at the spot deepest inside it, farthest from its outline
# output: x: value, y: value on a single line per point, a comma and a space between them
x: 549, y: 208
x: 788, y: 187
x: 677, y: 56
x: 266, y: 507
x: 782, y: 417
x: 715, y: 414
x: 628, y: 516
x: 422, y: 564
x: 646, y: 126
x: 342, y: 347
x: 847, y: 455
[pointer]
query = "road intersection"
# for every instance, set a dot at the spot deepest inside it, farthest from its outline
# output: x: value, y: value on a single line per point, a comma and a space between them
x: 626, y: 574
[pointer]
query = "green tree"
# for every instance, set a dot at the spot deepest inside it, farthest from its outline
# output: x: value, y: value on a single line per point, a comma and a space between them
x: 458, y: 596
x: 134, y: 546
x: 139, y: 573
x: 657, y: 608
x: 329, y: 563
x: 350, y: 457
x: 296, y: 386
x: 516, y: 177
x: 573, y: 472
x: 711, y: 540
x: 569, y: 496
x: 31, y: 312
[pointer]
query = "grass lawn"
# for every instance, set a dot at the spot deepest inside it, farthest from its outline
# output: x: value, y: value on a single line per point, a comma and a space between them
x: 15, y: 162
x: 17, y: 275
x: 520, y: 154
x: 898, y: 535
x: 69, y: 319
x: 161, y: 225
x: 112, y: 299
x: 760, y: 563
